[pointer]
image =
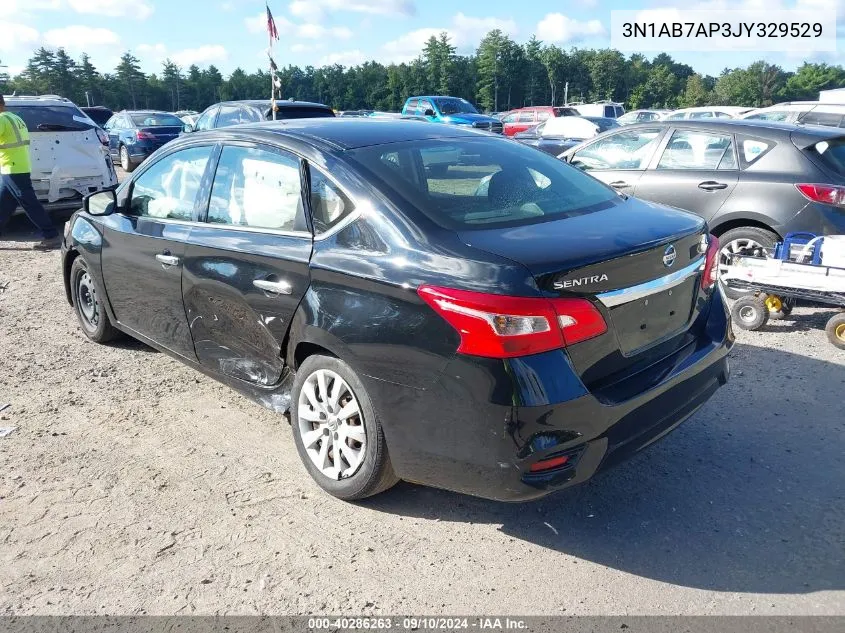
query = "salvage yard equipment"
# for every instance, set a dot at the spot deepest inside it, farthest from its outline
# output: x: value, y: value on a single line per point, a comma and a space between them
x: 803, y: 266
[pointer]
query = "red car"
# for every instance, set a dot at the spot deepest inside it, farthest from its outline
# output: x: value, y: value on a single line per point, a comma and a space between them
x: 523, y: 118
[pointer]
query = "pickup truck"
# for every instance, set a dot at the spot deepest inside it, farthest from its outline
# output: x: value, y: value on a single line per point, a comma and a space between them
x: 451, y: 110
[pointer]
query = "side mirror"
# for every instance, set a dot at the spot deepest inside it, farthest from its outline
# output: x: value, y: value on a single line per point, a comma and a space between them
x: 187, y: 128
x: 430, y: 112
x: 100, y: 203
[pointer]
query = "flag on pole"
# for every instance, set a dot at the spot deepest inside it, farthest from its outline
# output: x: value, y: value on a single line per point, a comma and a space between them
x: 271, y: 25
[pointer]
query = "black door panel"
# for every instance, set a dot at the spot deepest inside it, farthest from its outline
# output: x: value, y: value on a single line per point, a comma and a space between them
x: 145, y: 293
x: 238, y: 328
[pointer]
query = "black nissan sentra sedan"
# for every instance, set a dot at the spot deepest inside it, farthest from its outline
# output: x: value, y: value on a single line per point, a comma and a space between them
x: 431, y: 303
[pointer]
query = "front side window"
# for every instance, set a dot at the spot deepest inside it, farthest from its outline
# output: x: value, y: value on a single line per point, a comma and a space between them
x: 455, y: 106
x: 701, y: 115
x: 504, y: 183
x: 697, y: 150
x: 526, y: 117
x: 329, y: 205
x: 511, y: 118
x: 412, y: 105
x: 543, y: 115
x: 781, y: 115
x: 257, y: 188
x: 425, y: 106
x: 168, y: 189
x: 626, y: 150
x: 206, y: 121
x: 676, y: 117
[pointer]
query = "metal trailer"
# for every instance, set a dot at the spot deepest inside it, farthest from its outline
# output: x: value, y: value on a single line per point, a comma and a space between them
x: 794, y: 270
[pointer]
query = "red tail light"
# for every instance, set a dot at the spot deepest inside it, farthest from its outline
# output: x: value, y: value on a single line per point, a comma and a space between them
x: 548, y: 464
x: 144, y: 136
x: 710, y: 275
x: 497, y: 326
x: 826, y: 194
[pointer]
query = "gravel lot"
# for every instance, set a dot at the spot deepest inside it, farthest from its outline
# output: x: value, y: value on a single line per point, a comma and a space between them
x: 135, y: 485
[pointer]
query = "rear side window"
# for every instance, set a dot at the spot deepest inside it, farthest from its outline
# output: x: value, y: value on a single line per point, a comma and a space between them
x: 780, y: 115
x: 52, y: 118
x: 698, y: 150
x: 609, y: 111
x: 168, y: 189
x: 543, y: 115
x: 257, y: 188
x: 752, y: 149
x: 412, y: 105
x: 526, y: 117
x: 701, y: 115
x: 675, y: 117
x: 329, y: 205
x: 482, y: 183
x: 511, y: 118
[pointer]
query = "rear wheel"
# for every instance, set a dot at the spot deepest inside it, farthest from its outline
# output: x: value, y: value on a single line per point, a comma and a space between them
x: 835, y: 330
x: 89, y: 305
x: 750, y: 312
x: 125, y: 161
x: 336, y: 431
x: 745, y: 240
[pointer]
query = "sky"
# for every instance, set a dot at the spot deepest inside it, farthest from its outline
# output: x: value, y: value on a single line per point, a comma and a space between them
x: 232, y: 33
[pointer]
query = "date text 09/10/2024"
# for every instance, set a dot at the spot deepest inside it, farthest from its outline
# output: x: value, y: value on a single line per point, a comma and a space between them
x: 421, y: 623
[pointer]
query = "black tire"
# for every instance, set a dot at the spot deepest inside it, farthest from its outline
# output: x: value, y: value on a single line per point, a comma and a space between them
x: 750, y: 312
x: 126, y: 160
x: 89, y: 306
x: 761, y: 237
x: 835, y: 330
x: 375, y: 473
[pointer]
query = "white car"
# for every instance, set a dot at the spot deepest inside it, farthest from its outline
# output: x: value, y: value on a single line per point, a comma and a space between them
x: 806, y: 112
x: 707, y: 112
x: 605, y: 109
x: 70, y: 154
x: 642, y: 116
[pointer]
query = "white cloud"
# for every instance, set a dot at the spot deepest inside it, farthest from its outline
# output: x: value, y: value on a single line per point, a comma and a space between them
x: 137, y: 9
x: 314, y: 10
x: 152, y: 55
x: 301, y: 48
x: 345, y: 58
x: 558, y: 28
x: 465, y: 32
x: 17, y: 36
x: 21, y: 8
x: 78, y: 38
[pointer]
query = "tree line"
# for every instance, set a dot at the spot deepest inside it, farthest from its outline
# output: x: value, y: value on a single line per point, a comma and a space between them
x: 500, y: 75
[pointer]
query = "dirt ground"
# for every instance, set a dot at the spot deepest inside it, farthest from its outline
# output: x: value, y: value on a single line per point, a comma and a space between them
x: 134, y: 485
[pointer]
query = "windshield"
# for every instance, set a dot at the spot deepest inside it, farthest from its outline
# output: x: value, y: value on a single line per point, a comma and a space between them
x: 155, y: 119
x: 53, y: 118
x: 455, y: 106
x: 470, y: 183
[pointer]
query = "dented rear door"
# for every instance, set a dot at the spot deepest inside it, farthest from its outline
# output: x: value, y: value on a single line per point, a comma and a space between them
x: 247, y: 266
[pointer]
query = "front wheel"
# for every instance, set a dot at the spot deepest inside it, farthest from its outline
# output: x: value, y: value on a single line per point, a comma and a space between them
x: 750, y: 312
x: 336, y: 431
x: 835, y: 330
x: 88, y: 302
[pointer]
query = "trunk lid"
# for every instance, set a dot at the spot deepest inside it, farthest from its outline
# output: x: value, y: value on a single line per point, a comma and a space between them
x: 162, y: 134
x: 638, y: 262
x: 69, y: 164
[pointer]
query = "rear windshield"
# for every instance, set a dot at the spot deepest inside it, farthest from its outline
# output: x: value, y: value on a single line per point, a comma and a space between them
x: 99, y: 115
x: 478, y: 183
x: 155, y: 119
x: 301, y: 113
x: 53, y: 118
x: 832, y: 154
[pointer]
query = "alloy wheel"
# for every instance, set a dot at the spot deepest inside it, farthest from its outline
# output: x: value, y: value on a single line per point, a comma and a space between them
x: 86, y: 299
x: 739, y: 246
x: 331, y: 424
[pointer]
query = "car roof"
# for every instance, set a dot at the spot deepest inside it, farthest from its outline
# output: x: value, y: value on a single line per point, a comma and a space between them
x: 751, y: 127
x: 34, y: 100
x: 265, y: 103
x: 348, y: 133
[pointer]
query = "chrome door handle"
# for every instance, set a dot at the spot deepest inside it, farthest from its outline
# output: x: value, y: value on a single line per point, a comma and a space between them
x: 275, y: 287
x: 712, y: 185
x: 167, y: 260
x: 619, y: 184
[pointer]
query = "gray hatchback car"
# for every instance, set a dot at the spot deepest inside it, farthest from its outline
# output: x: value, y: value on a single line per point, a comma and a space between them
x: 753, y: 181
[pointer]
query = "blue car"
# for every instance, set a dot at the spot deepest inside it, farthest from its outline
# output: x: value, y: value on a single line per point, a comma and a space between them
x: 135, y: 134
x: 451, y: 110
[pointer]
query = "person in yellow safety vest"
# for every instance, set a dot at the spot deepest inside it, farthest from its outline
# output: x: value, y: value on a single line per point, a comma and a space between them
x: 16, y: 181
